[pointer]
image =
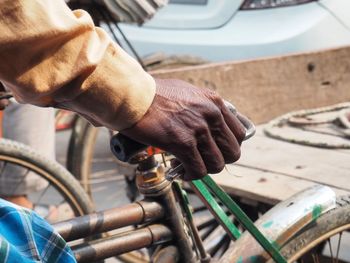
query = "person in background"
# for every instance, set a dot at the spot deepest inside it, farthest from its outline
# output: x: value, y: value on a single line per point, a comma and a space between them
x: 34, y: 127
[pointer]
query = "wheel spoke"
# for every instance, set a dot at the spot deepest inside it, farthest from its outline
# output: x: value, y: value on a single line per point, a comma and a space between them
x: 330, y: 249
x: 208, y: 231
x: 338, y: 247
x: 43, y: 192
x: 20, y: 182
x: 224, y: 241
x: 206, y: 224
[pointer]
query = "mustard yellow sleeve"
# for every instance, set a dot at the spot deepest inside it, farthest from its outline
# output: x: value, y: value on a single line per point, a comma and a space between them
x: 51, y: 56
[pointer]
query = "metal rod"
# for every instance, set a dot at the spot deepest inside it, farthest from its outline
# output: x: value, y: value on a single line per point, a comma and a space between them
x: 122, y: 243
x: 174, y: 217
x: 132, y: 214
x: 184, y: 202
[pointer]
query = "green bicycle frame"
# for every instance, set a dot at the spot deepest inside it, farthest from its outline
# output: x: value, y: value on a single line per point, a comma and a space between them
x: 209, y: 191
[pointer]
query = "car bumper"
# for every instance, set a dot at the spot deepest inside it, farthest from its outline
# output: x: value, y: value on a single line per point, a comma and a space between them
x: 249, y: 34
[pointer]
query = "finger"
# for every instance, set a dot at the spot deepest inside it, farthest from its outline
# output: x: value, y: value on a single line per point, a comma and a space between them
x: 227, y: 143
x: 211, y: 154
x: 192, y: 163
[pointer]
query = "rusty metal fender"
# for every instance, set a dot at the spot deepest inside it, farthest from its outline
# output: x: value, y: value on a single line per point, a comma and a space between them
x: 281, y: 223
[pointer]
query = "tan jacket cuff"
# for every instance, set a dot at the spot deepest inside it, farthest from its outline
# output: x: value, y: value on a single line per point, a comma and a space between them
x: 119, y: 93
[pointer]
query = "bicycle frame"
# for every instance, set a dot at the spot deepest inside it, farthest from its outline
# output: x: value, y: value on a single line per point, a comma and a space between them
x: 162, y: 222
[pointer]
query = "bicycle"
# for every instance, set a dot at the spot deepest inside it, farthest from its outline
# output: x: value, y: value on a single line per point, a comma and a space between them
x: 296, y: 230
x: 59, y: 189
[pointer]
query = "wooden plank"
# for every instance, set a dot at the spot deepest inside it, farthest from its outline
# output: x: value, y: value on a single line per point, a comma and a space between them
x: 262, y: 186
x: 330, y: 167
x: 266, y: 88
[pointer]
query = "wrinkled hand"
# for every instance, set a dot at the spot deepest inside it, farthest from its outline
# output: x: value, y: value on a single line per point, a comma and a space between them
x: 193, y: 124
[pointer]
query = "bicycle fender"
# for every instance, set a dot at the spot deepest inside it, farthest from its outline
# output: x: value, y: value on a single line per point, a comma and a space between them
x: 281, y: 223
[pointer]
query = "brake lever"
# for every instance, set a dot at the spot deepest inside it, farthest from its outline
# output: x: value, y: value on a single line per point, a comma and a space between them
x: 248, y: 125
x: 175, y: 173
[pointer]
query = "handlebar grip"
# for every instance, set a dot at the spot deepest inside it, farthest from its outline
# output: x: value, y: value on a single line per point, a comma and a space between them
x: 125, y: 148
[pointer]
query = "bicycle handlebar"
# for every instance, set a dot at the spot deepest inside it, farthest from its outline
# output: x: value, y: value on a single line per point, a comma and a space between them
x: 125, y: 148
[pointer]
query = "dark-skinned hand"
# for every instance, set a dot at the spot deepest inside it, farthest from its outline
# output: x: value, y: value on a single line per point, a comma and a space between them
x: 193, y: 124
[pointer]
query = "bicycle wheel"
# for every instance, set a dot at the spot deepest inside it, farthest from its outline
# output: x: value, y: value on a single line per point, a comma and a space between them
x: 80, y: 152
x: 53, y: 189
x: 325, y: 240
x: 90, y: 160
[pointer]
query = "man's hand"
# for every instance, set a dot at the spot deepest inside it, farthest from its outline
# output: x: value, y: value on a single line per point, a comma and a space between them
x: 194, y: 125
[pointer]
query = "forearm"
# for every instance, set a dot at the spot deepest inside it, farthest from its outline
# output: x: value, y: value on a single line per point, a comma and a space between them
x: 51, y: 56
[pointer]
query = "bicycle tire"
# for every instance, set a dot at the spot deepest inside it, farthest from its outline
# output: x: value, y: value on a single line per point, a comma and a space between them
x: 80, y: 152
x: 80, y: 155
x: 55, y: 174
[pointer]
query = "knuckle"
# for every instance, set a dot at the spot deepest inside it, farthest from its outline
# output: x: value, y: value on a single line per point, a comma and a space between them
x: 214, y: 96
x: 202, y: 134
x: 214, y: 115
x: 202, y: 130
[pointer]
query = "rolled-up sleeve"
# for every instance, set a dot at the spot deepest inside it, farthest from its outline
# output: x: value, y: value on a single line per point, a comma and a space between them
x: 52, y: 56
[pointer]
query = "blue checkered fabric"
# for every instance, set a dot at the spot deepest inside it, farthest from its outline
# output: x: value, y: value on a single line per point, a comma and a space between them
x: 26, y: 237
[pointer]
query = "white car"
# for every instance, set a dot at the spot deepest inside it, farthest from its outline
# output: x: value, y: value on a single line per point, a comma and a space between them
x: 220, y: 30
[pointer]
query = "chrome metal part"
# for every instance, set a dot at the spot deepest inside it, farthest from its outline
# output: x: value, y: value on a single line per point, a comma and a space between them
x: 248, y: 124
x: 152, y: 182
x: 282, y: 222
x: 174, y: 173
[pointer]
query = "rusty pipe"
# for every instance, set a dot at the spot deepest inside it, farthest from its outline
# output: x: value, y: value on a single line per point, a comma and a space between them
x: 122, y: 243
x: 131, y: 214
x: 176, y: 222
